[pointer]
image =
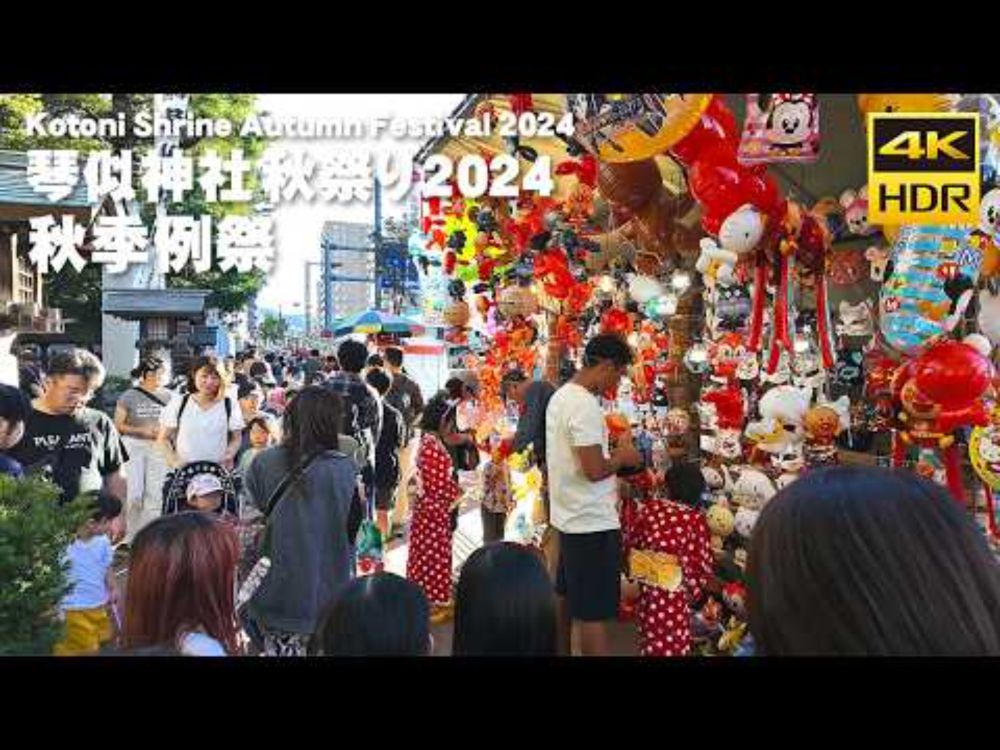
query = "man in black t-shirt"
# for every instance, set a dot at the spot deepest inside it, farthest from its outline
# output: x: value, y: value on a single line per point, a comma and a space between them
x: 77, y: 447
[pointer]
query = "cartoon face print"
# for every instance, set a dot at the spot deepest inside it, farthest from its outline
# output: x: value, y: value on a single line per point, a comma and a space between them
x: 749, y: 367
x: 789, y: 122
x: 855, y: 320
x: 790, y: 460
x: 728, y: 444
x: 989, y: 448
x: 989, y: 213
x: 726, y: 354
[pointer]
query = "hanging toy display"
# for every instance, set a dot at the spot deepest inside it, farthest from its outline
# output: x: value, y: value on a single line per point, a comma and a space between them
x: 655, y: 213
x: 780, y: 128
x: 743, y: 208
x: 770, y: 336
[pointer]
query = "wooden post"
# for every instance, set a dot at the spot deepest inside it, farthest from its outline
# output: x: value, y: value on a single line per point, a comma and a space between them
x: 683, y: 388
x: 555, y: 350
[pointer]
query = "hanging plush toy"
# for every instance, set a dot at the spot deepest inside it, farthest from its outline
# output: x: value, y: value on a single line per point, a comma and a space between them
x: 934, y: 273
x: 822, y: 425
x: 780, y: 128
x: 855, y: 205
x: 855, y: 320
x: 938, y: 392
x: 878, y: 262
x: 847, y: 267
x: 782, y: 410
x: 987, y: 235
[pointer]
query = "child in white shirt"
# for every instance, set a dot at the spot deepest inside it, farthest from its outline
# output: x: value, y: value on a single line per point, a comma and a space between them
x: 87, y: 607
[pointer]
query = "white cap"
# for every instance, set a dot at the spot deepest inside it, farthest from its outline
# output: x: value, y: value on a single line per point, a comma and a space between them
x: 203, y: 484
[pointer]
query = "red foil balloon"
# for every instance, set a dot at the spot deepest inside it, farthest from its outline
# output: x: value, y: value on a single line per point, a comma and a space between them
x: 616, y: 321
x: 716, y: 127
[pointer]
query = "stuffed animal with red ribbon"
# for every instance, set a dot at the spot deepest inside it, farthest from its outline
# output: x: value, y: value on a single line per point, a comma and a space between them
x: 743, y: 207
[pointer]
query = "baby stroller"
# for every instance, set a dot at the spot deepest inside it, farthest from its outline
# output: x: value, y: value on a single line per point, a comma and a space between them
x: 175, y: 489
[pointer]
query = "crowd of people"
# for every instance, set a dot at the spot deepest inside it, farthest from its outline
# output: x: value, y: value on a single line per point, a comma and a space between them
x: 236, y: 498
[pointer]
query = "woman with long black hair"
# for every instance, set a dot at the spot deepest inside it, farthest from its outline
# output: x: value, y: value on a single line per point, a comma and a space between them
x: 429, y: 559
x: 308, y: 490
x: 852, y: 561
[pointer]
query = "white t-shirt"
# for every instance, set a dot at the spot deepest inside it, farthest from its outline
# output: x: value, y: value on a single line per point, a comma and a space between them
x: 202, y: 434
x: 88, y: 569
x: 577, y: 506
x: 199, y: 644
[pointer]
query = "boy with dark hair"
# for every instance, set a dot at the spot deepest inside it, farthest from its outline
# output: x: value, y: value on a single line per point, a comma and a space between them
x: 92, y: 593
x: 362, y: 405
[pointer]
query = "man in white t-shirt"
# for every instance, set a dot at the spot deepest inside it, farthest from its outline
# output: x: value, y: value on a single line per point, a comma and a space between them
x: 583, y: 495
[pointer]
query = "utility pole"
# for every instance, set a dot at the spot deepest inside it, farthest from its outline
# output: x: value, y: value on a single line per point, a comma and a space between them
x: 377, y: 237
x: 327, y: 285
x: 308, y: 313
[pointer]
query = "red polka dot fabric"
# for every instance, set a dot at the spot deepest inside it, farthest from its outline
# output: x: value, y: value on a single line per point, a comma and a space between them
x: 663, y: 617
x: 428, y: 563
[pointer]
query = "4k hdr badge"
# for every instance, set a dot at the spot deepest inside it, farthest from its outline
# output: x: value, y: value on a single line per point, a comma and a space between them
x: 923, y: 168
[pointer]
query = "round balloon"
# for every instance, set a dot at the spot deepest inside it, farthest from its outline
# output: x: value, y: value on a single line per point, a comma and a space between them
x: 869, y: 103
x: 629, y: 127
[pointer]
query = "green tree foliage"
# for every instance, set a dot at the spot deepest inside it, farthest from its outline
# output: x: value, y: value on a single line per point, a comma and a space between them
x: 231, y: 291
x: 79, y: 294
x: 34, y: 533
x: 273, y: 329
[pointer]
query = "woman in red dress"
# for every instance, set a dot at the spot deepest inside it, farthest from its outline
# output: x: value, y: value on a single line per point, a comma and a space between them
x: 429, y: 562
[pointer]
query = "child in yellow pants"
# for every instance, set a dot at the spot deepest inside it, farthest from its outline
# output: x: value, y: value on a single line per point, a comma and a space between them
x: 88, y: 624
x: 86, y: 631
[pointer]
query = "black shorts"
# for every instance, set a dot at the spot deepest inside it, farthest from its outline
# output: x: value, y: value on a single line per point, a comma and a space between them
x: 589, y: 574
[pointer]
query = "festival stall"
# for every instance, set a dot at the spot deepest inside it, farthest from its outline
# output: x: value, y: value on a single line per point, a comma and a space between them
x: 774, y: 328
